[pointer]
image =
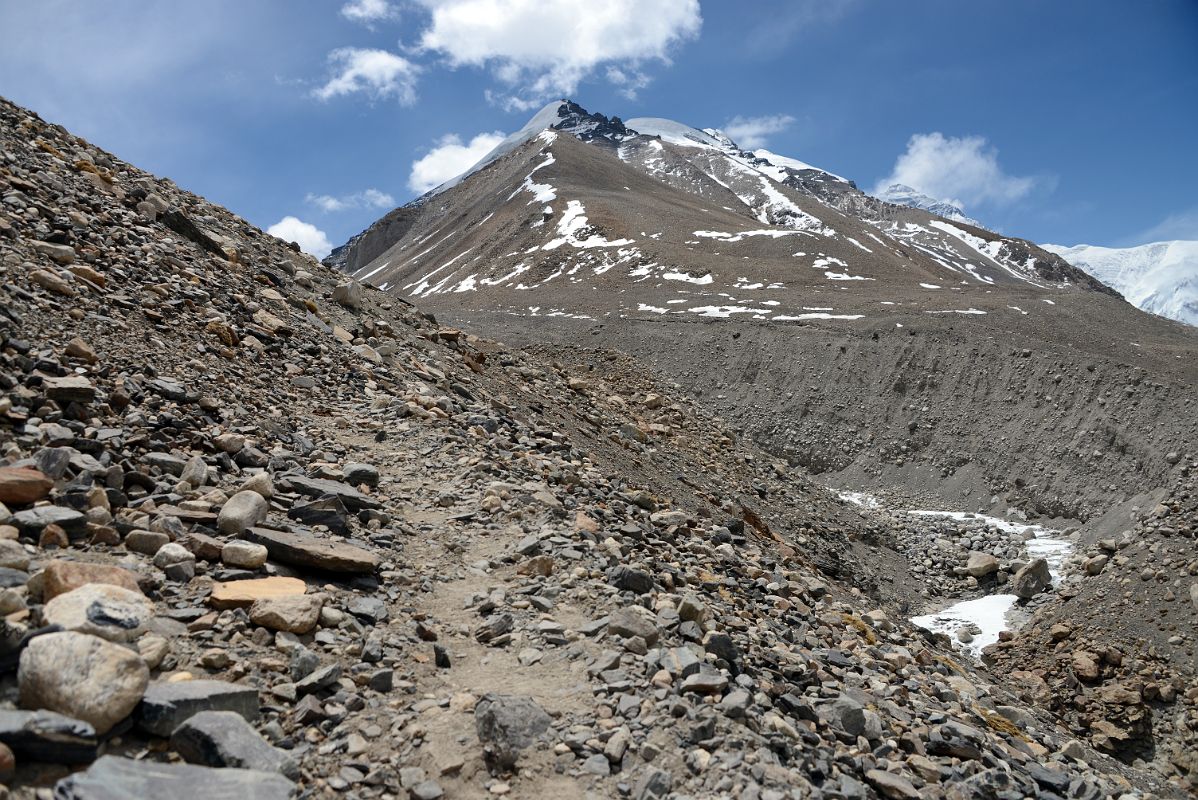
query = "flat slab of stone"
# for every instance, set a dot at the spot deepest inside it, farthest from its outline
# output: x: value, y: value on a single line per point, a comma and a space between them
x: 31, y: 521
x: 116, y: 778
x: 238, y: 594
x: 69, y: 389
x: 224, y: 739
x: 48, y: 736
x: 302, y: 550
x: 167, y: 705
x: 62, y: 576
x: 319, y: 487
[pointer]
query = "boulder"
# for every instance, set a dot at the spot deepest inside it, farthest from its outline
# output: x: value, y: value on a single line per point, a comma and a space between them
x: 20, y: 486
x: 82, y: 676
x: 110, y: 612
x: 243, y: 510
x: 1031, y: 579
x: 295, y: 614
x: 48, y: 736
x: 980, y: 565
x: 243, y: 555
x: 506, y: 725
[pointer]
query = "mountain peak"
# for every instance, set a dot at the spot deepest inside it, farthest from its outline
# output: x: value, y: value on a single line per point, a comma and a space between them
x: 902, y: 195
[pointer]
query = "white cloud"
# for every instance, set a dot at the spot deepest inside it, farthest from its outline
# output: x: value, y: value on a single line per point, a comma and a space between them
x: 543, y: 48
x: 629, y: 81
x: 367, y: 11
x: 378, y: 73
x: 449, y: 159
x: 311, y: 239
x: 1182, y: 225
x: 752, y: 132
x: 369, y: 198
x: 963, y: 171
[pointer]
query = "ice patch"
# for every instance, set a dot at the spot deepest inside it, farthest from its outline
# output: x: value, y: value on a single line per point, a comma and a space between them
x: 674, y: 275
x: 573, y: 225
x: 929, y: 286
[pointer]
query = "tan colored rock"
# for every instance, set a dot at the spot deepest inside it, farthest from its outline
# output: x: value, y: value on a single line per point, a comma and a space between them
x: 51, y: 282
x: 61, y: 576
x: 296, y: 614
x: 83, y: 677
x: 237, y: 594
x: 21, y: 486
x: 100, y: 609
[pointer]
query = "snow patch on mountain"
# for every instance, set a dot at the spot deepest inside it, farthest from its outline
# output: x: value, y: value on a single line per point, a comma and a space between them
x: 902, y: 195
x: 1160, y: 278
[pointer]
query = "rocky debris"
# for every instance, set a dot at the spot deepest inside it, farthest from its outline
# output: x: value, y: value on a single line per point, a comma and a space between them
x: 225, y: 739
x: 83, y: 677
x: 684, y: 607
x: 115, y: 777
x: 506, y: 725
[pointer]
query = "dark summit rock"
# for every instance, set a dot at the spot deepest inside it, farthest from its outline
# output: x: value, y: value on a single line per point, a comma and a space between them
x: 225, y: 739
x: 328, y: 511
x: 630, y: 580
x: 48, y: 736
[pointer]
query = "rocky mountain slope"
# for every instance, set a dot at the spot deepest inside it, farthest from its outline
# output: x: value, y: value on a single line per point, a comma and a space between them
x: 903, y: 195
x: 271, y: 533
x: 1160, y: 278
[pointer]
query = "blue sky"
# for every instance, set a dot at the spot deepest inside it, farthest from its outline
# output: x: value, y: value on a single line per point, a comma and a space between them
x: 1068, y: 121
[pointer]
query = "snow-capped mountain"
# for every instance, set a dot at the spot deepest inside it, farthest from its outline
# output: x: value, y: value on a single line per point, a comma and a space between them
x: 903, y: 195
x: 583, y: 215
x: 1161, y: 278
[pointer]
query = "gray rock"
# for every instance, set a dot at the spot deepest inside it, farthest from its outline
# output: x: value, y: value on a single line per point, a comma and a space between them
x: 225, y: 739
x: 167, y: 705
x: 195, y: 472
x: 319, y: 487
x: 145, y: 542
x: 328, y: 511
x: 630, y: 580
x: 30, y: 522
x: 348, y: 294
x: 506, y: 725
x: 980, y: 565
x: 294, y: 614
x: 704, y: 682
x: 243, y: 555
x: 1031, y: 579
x: 846, y: 715
x: 627, y: 622
x: 115, y: 778
x: 303, y: 550
x: 243, y: 510
x: 654, y: 784
x: 82, y: 676
x: 357, y: 474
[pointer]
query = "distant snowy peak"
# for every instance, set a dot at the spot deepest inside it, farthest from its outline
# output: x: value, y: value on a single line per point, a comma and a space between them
x: 1160, y: 278
x: 902, y: 195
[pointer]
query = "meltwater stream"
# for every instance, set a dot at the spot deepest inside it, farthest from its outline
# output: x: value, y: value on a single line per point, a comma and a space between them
x: 986, y: 616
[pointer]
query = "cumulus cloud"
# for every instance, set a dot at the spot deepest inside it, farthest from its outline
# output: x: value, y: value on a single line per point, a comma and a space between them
x: 542, y: 49
x: 312, y: 240
x: 368, y: 198
x: 628, y: 82
x: 963, y: 171
x: 377, y: 73
x: 450, y: 158
x: 367, y: 11
x: 752, y: 132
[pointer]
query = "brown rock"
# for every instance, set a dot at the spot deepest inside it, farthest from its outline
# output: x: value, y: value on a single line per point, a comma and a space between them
x: 1085, y: 665
x: 88, y: 274
x: 69, y: 389
x: 295, y: 614
x: 21, y: 486
x: 50, y: 281
x: 236, y: 594
x: 77, y: 348
x: 302, y: 550
x: 60, y: 577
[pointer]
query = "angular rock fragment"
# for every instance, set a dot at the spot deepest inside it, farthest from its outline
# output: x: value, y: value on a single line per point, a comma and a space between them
x: 116, y: 778
x: 167, y: 705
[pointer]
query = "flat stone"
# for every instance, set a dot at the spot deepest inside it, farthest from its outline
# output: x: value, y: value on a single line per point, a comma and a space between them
x: 705, y: 683
x: 20, y: 486
x: 48, y: 736
x: 328, y: 511
x: 237, y: 594
x: 302, y: 550
x: 69, y: 389
x: 319, y: 487
x: 167, y: 705
x: 225, y: 739
x: 110, y: 612
x: 82, y: 676
x: 61, y: 576
x: 31, y: 521
x: 116, y: 778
